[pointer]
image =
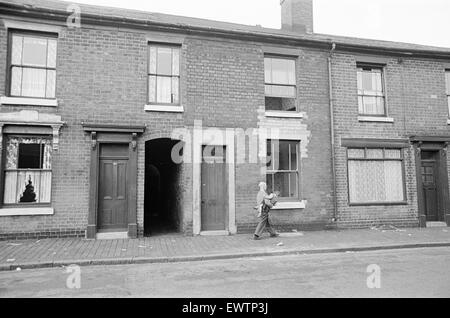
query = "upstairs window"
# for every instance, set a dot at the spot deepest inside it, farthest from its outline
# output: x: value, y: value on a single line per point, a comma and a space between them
x: 371, y: 97
x: 283, y: 171
x: 280, y: 84
x: 32, y: 65
x: 28, y: 170
x: 447, y: 82
x: 164, y: 75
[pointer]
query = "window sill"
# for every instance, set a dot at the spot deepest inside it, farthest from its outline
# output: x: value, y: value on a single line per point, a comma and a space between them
x: 164, y: 108
x: 379, y: 204
x: 284, y: 114
x: 375, y: 119
x: 5, y: 100
x: 290, y: 205
x: 26, y: 211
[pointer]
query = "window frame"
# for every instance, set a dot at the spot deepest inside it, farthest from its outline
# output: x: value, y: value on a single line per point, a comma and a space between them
x: 164, y: 45
x: 402, y: 159
x: 382, y: 68
x: 283, y: 57
x: 298, y: 171
x: 9, y: 65
x: 3, y: 172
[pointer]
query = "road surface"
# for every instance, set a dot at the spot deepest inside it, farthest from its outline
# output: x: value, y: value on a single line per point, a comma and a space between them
x: 402, y: 273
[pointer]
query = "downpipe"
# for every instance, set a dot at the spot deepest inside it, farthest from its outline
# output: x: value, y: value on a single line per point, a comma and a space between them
x: 332, y: 134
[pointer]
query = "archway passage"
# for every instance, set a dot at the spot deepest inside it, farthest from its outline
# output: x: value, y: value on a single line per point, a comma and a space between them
x: 162, y: 201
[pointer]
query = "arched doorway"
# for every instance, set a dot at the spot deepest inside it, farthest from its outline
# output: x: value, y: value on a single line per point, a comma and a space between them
x: 162, y: 199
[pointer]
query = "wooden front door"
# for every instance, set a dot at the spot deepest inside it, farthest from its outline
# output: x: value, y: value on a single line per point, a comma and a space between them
x: 214, y: 193
x: 113, y: 179
x: 429, y: 173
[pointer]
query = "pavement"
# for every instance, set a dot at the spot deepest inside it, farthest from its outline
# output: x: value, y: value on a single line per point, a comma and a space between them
x: 46, y: 253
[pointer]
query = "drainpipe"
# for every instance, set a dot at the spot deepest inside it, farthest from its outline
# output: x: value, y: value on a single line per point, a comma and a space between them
x: 333, y: 159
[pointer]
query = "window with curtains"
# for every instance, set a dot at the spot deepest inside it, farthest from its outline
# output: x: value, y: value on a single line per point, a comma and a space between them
x: 447, y: 85
x: 375, y: 175
x: 164, y: 75
x: 283, y: 168
x: 28, y: 170
x: 280, y: 83
x: 371, y: 97
x: 32, y: 65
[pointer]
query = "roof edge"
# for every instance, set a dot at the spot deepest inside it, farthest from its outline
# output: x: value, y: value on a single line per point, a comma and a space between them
x: 23, y: 10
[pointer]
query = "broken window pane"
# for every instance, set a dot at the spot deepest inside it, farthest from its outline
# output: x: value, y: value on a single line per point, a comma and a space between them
x: 27, y: 170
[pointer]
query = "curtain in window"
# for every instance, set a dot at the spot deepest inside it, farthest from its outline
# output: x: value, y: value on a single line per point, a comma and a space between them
x: 33, y: 61
x: 164, y: 72
x: 16, y: 180
x: 375, y: 181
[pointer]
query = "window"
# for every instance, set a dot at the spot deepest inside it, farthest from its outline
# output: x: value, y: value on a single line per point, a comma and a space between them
x: 447, y: 81
x: 164, y: 75
x: 32, y: 65
x: 28, y: 170
x: 375, y: 175
x: 283, y: 168
x: 371, y: 99
x: 280, y: 84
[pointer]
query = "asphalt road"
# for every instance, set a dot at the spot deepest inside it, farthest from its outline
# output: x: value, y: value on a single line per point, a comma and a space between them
x: 402, y: 273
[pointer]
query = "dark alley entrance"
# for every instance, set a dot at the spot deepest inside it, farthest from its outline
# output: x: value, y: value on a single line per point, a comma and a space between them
x: 162, y: 200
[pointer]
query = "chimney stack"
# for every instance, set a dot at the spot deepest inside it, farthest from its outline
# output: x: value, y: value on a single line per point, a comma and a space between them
x: 297, y: 15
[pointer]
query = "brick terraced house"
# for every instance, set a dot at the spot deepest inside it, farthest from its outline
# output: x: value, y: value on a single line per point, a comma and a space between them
x: 118, y: 122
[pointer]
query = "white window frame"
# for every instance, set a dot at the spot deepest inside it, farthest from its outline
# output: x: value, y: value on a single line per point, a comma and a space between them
x: 279, y: 113
x: 159, y: 106
x: 360, y: 67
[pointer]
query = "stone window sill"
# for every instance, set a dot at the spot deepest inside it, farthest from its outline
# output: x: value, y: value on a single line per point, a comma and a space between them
x: 164, y: 108
x: 375, y: 119
x: 285, y: 114
x: 26, y: 211
x: 290, y: 205
x: 5, y: 100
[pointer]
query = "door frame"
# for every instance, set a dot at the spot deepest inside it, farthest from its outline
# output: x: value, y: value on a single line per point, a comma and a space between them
x: 117, y: 134
x: 213, y: 137
x: 440, y: 145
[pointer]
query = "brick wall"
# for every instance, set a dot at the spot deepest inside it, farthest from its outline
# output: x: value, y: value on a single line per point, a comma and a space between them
x: 416, y: 100
x: 102, y: 79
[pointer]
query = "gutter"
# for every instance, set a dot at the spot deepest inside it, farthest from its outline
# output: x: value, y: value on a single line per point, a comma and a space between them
x: 332, y: 133
x: 54, y: 14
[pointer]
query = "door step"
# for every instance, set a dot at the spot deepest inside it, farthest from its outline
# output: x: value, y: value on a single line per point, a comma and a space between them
x: 436, y: 224
x: 112, y: 235
x: 214, y: 233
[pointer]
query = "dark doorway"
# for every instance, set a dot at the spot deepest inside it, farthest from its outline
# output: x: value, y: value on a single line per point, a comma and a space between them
x: 430, y: 182
x: 162, y: 200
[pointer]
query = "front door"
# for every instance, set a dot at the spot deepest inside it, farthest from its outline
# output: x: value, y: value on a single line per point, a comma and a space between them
x: 112, y: 192
x: 214, y: 194
x: 430, y: 185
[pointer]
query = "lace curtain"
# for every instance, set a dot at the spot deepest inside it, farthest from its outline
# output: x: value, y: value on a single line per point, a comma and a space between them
x: 16, y: 180
x: 375, y: 181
